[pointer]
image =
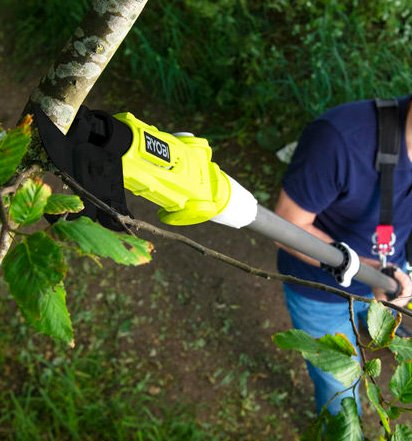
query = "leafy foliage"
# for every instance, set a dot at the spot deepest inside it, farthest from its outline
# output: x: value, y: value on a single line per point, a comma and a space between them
x: 402, y: 348
x: 376, y: 400
x: 334, y: 354
x: 31, y: 267
x: 29, y: 202
x: 314, y: 431
x: 63, y: 203
x: 35, y: 270
x: 330, y: 353
x: 13, y: 147
x: 94, y: 239
x: 35, y: 267
x: 373, y: 367
x: 54, y: 318
x: 381, y: 324
x: 402, y: 433
x: 401, y: 382
x: 346, y: 425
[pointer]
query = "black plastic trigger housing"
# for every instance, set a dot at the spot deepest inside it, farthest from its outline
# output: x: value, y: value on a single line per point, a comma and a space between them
x: 91, y: 153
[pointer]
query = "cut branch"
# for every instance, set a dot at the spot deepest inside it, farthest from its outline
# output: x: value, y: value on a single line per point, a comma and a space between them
x: 159, y: 232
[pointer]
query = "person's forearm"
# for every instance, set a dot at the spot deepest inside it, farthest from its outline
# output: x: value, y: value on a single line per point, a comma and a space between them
x: 374, y: 263
x: 292, y: 212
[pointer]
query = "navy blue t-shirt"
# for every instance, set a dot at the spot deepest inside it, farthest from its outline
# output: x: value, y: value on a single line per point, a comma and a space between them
x: 333, y: 174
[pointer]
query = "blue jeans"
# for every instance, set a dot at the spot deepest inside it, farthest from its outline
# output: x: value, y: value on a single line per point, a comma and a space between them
x: 317, y: 319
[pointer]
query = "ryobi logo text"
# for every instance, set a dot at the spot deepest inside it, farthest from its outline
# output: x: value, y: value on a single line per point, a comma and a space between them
x: 157, y: 147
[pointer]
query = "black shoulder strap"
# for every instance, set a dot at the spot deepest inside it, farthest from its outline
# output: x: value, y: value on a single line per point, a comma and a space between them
x: 409, y: 252
x: 389, y: 142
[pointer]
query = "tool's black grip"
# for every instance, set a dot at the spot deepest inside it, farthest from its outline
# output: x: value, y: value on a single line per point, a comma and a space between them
x: 390, y: 271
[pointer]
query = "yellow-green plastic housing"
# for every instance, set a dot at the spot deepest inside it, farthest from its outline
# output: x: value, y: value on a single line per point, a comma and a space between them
x: 188, y: 187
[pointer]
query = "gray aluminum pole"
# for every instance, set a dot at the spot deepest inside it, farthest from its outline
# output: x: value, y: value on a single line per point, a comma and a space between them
x: 273, y: 226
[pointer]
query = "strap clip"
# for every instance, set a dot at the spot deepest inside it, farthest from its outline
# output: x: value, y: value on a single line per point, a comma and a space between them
x: 383, y: 241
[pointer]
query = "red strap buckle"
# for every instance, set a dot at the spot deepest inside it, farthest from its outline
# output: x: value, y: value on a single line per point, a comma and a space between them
x: 385, y: 235
x: 384, y: 240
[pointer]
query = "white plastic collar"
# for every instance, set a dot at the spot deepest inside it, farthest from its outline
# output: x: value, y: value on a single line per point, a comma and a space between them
x: 346, y: 276
x: 241, y: 209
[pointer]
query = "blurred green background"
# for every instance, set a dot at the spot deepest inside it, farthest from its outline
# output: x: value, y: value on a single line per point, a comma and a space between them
x: 267, y: 66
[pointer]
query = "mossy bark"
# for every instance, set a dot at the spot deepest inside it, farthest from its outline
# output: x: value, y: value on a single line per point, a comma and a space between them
x: 66, y: 85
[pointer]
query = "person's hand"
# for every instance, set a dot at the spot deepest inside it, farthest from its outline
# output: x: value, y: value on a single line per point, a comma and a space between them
x: 405, y: 284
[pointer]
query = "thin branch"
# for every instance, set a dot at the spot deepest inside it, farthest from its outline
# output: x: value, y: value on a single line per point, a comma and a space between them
x: 5, y: 227
x: 340, y: 392
x: 6, y: 239
x: 358, y: 337
x: 6, y: 233
x: 158, y: 232
x: 356, y: 331
x: 26, y: 174
x: 3, y: 213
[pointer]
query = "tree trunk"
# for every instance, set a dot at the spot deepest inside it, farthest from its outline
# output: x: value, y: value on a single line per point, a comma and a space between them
x: 66, y: 85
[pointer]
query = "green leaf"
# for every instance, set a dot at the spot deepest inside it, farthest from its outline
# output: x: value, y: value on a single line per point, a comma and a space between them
x: 54, y: 318
x: 13, y: 147
x: 373, y: 367
x: 375, y: 397
x: 32, y: 268
x: 295, y: 339
x: 28, y: 204
x: 329, y: 353
x: 401, y: 382
x: 63, y: 203
x: 141, y: 246
x: 345, y: 426
x: 402, y: 433
x: 394, y: 412
x: 314, y: 431
x: 402, y: 348
x: 94, y: 239
x: 339, y: 342
x: 381, y: 324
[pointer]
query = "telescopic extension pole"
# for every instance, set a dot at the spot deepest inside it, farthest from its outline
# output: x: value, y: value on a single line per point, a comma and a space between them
x: 176, y: 173
x: 286, y: 233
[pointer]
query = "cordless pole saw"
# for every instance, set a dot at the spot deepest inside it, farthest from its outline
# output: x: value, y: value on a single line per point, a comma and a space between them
x: 106, y: 154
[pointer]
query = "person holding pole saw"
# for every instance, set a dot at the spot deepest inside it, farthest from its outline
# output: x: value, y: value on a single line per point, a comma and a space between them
x: 332, y: 190
x: 349, y: 183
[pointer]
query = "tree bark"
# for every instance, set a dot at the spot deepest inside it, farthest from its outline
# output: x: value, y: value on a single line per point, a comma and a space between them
x: 66, y: 85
